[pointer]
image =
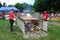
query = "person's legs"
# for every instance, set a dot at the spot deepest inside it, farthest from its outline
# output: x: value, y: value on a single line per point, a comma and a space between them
x: 45, y: 25
x: 11, y: 23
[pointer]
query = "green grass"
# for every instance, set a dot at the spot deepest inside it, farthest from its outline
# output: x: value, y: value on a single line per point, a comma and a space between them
x: 58, y: 21
x: 5, y: 34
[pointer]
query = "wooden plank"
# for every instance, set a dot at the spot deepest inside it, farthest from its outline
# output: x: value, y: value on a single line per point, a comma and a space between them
x: 28, y: 18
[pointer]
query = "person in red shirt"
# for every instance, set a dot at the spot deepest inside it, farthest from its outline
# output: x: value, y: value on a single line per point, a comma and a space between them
x: 11, y: 19
x: 45, y: 19
x: 45, y: 16
x: 18, y: 14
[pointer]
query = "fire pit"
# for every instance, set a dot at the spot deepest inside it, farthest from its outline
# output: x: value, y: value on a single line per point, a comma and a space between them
x: 31, y: 27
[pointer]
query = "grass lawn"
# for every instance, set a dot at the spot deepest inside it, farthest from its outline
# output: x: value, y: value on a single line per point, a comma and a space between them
x: 5, y: 34
x: 58, y: 21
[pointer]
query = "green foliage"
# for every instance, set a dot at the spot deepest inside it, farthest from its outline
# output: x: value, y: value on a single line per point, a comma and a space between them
x: 4, y: 4
x: 0, y: 4
x: 41, y: 5
x: 10, y: 5
x: 19, y: 6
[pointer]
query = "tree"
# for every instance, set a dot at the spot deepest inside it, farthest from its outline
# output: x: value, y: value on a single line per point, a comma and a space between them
x: 19, y: 6
x: 10, y: 5
x: 27, y: 6
x: 41, y: 5
x: 0, y: 4
x: 4, y: 4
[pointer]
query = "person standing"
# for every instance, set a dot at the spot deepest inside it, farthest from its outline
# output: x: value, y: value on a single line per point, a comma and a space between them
x: 45, y: 20
x: 3, y: 15
x: 11, y: 19
x: 18, y: 15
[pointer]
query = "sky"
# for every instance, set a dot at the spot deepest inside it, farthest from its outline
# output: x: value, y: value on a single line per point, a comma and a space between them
x: 12, y: 2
